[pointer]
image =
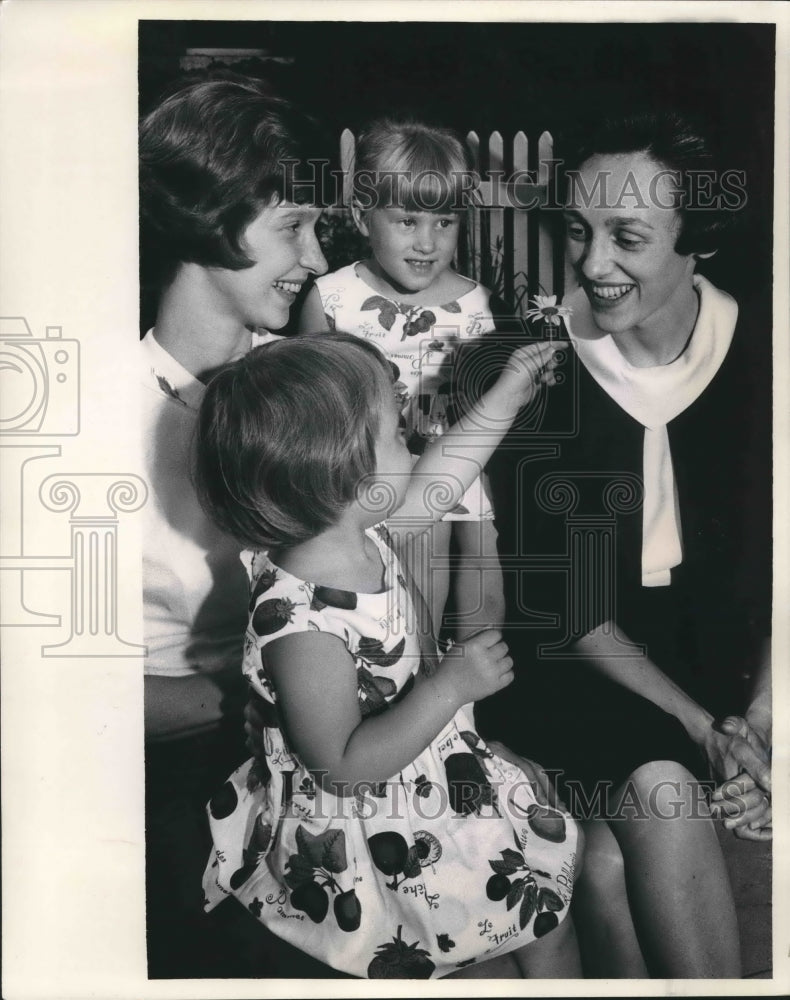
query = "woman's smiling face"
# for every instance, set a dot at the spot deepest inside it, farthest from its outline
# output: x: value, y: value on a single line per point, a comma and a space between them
x: 621, y: 230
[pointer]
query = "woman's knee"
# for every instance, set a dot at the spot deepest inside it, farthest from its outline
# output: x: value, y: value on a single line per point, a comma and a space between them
x: 601, y: 860
x: 664, y: 789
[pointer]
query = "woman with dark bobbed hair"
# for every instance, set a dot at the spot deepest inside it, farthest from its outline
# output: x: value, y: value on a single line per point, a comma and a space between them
x: 640, y: 524
x: 228, y: 209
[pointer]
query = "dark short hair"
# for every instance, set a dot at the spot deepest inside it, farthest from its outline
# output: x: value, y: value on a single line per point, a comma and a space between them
x: 212, y: 156
x: 412, y: 165
x: 287, y: 433
x: 679, y: 143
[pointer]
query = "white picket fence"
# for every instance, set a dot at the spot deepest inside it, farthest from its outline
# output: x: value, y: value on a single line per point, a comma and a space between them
x: 509, y: 249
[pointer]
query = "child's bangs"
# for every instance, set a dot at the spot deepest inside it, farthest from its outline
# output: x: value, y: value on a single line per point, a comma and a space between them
x: 427, y: 178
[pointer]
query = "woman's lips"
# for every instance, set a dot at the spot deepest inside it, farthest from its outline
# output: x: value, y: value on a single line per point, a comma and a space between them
x: 291, y: 288
x: 608, y: 295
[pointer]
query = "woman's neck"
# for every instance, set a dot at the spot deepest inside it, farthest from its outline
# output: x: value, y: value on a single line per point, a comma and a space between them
x: 342, y: 557
x: 191, y: 328
x: 663, y: 337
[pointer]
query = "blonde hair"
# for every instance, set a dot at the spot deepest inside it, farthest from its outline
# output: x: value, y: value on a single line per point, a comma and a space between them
x: 411, y: 165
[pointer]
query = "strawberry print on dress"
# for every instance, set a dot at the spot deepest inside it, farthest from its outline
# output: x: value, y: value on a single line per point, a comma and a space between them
x: 447, y: 863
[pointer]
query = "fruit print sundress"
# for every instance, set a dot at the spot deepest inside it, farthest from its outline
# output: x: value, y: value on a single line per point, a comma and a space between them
x: 422, y: 342
x: 449, y: 862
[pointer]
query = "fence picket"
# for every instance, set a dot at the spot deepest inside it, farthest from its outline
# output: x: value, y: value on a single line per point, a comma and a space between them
x: 474, y: 236
x: 545, y: 241
x: 496, y: 216
x: 521, y: 223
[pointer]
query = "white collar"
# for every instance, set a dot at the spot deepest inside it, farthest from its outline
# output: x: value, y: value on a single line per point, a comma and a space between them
x: 655, y: 396
x: 166, y: 375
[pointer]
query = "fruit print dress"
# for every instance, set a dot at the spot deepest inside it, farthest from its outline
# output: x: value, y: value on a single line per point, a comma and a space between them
x: 422, y: 342
x: 449, y: 862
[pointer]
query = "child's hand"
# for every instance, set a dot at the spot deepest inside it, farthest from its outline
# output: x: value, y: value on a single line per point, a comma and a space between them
x: 479, y: 667
x: 528, y: 367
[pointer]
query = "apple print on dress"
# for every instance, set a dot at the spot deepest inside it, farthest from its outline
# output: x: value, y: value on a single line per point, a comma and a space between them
x: 312, y: 871
x: 397, y: 960
x: 393, y: 856
x: 524, y: 890
x: 224, y: 801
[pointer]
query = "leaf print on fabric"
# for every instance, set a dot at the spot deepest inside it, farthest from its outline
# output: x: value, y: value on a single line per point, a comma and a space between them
x: 397, y: 960
x: 445, y: 942
x: 372, y: 651
x: 325, y: 850
x: 311, y: 872
x: 468, y: 785
x: 475, y: 744
x: 300, y: 871
x: 331, y: 597
x: 451, y: 307
x: 272, y: 615
x: 258, y: 775
x: 373, y: 692
x: 168, y: 389
x: 501, y: 885
x: 549, y: 900
x: 387, y: 310
x: 528, y: 905
x: 422, y: 786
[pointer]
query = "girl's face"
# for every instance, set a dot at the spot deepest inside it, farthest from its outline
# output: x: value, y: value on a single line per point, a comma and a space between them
x: 411, y: 249
x: 282, y: 242
x: 621, y: 229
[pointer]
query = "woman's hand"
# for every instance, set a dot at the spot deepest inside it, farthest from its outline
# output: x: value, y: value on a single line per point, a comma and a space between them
x: 733, y: 747
x: 744, y: 807
x: 740, y: 754
x: 478, y: 667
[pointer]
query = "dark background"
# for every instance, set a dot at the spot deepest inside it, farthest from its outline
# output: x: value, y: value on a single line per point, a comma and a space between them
x: 515, y: 76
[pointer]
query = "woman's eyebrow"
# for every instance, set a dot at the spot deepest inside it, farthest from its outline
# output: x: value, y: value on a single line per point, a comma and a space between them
x: 627, y: 220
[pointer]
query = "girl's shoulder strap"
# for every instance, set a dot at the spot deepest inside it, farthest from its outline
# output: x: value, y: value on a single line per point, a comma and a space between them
x: 282, y: 605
